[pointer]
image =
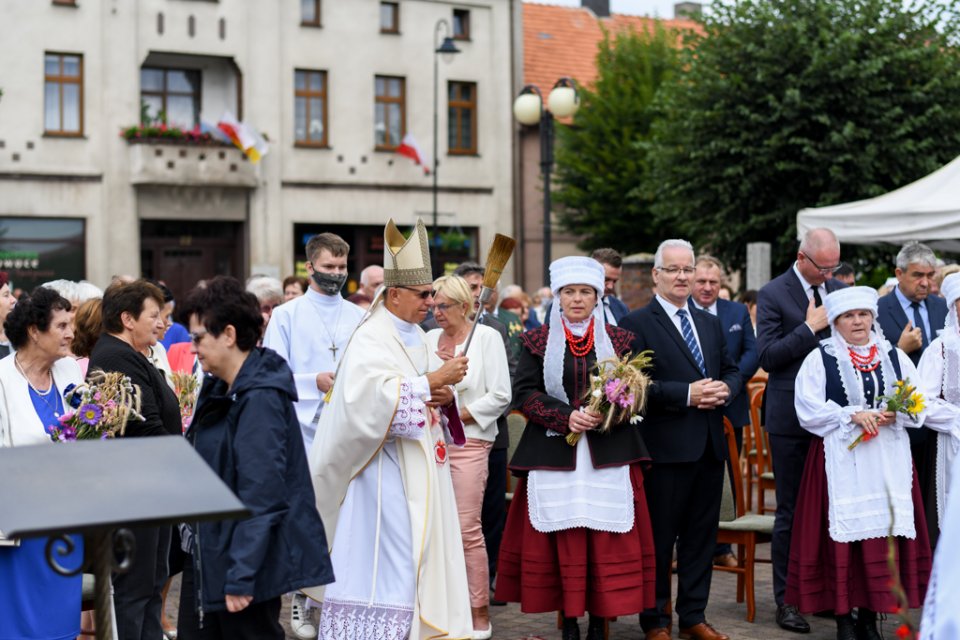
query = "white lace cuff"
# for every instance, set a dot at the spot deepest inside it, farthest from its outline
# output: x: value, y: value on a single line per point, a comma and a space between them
x: 846, y: 419
x: 411, y: 416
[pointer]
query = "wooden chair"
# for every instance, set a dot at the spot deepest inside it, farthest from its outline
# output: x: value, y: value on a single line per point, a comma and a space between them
x: 738, y: 527
x: 765, y: 480
x: 751, y: 445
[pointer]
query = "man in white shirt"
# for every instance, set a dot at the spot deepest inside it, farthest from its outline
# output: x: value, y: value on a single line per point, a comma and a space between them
x: 311, y: 333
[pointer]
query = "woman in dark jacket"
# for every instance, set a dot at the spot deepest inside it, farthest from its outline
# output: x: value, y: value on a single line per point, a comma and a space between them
x: 246, y: 428
x: 131, y: 323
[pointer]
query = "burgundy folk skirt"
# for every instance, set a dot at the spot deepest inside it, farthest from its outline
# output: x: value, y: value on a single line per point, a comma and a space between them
x: 577, y: 570
x: 825, y: 575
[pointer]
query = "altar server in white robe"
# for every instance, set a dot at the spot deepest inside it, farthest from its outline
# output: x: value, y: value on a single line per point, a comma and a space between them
x: 939, y: 372
x: 381, y: 473
x: 311, y: 332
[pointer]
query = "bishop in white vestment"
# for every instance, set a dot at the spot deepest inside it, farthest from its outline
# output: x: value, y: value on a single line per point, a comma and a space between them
x: 381, y: 473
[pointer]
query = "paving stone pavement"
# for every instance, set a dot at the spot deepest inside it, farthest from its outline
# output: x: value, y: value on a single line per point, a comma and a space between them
x: 723, y: 612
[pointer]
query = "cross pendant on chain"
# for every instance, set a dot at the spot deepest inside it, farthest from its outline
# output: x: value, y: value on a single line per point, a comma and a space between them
x: 333, y: 350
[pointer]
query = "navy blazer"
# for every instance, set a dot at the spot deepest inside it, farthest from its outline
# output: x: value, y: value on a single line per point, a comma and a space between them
x: 742, y: 347
x: 783, y: 341
x: 617, y: 308
x: 673, y: 431
x: 892, y: 319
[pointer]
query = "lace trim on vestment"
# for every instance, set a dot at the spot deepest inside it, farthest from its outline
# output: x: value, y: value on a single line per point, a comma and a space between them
x: 410, y: 418
x: 345, y: 620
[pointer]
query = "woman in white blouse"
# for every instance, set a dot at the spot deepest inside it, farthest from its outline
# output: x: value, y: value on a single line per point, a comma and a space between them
x: 939, y: 371
x: 482, y: 396
x: 850, y: 500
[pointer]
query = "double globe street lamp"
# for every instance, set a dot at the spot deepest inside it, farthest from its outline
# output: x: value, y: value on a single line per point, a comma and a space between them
x: 529, y: 109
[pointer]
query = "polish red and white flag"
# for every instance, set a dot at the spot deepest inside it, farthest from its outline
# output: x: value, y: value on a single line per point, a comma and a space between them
x: 409, y: 148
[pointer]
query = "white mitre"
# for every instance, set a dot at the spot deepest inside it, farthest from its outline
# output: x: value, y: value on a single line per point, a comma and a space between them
x: 406, y: 261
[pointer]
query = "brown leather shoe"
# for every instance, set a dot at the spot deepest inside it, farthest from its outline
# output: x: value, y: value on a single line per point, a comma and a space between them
x: 702, y: 631
x: 661, y: 633
x: 725, y: 560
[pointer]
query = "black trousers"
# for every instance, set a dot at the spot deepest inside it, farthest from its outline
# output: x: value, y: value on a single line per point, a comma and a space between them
x: 684, y: 503
x: 789, y: 457
x: 493, y: 515
x: 258, y: 621
x: 924, y: 453
x: 136, y: 596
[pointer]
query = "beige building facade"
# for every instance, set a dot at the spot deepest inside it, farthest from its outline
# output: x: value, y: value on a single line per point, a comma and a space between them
x: 334, y: 85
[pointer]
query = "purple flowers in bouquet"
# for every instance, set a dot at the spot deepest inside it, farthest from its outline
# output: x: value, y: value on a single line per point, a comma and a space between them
x: 100, y: 408
x: 618, y: 390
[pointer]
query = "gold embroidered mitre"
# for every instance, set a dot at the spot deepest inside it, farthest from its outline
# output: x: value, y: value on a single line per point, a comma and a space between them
x: 406, y: 261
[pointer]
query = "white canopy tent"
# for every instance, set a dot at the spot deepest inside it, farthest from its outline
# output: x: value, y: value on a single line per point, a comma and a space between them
x: 927, y: 210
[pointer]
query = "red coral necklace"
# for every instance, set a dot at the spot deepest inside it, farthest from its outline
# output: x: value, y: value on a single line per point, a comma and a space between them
x: 865, y: 363
x: 579, y: 346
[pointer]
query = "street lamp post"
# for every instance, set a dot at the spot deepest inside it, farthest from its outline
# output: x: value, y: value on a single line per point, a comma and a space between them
x: 447, y: 49
x: 529, y: 109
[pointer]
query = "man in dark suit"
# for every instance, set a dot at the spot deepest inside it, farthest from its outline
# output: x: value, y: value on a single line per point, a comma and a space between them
x: 613, y: 308
x: 791, y: 321
x: 693, y: 376
x: 741, y: 347
x: 911, y: 317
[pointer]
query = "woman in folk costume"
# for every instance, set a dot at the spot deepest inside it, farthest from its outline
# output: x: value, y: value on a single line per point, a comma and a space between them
x: 381, y: 472
x: 939, y: 371
x: 578, y: 536
x: 850, y: 500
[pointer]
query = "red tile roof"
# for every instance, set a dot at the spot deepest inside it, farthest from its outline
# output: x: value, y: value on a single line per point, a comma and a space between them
x: 562, y: 41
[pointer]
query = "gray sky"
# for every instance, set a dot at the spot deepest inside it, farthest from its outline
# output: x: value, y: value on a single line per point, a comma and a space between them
x: 660, y: 8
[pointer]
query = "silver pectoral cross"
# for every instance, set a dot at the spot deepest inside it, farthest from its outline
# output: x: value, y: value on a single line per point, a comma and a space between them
x: 333, y: 350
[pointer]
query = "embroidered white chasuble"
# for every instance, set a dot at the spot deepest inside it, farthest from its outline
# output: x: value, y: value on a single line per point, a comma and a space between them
x: 385, y: 496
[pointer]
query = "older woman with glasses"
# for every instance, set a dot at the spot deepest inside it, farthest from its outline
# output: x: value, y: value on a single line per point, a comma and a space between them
x: 483, y: 395
x: 35, y: 602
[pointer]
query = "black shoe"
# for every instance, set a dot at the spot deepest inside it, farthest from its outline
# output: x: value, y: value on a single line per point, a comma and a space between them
x: 866, y: 625
x: 595, y: 631
x: 497, y: 603
x: 571, y: 630
x: 846, y: 629
x: 790, y: 619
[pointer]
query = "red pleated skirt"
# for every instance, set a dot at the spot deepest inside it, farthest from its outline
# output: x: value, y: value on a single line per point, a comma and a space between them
x: 577, y: 570
x: 825, y: 575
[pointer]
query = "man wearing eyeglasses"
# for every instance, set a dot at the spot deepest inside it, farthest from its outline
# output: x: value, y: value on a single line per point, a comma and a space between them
x: 910, y: 317
x: 693, y: 378
x: 381, y: 474
x: 791, y: 321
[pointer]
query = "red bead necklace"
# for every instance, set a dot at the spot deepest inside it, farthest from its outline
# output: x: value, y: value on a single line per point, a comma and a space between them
x: 865, y: 363
x: 579, y: 346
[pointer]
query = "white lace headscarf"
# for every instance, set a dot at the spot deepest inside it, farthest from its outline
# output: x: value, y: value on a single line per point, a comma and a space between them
x: 838, y: 303
x: 565, y: 272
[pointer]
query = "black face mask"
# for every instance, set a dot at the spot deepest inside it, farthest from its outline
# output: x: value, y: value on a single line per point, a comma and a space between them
x: 329, y: 283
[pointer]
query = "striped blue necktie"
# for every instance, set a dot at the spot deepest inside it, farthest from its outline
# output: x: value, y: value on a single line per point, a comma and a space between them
x: 691, y: 341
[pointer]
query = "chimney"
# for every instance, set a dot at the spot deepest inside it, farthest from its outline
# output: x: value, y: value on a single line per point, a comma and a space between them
x: 600, y: 8
x: 691, y: 10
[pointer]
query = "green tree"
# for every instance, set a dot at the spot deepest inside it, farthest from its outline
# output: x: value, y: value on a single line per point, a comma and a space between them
x: 785, y: 104
x: 601, y: 158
